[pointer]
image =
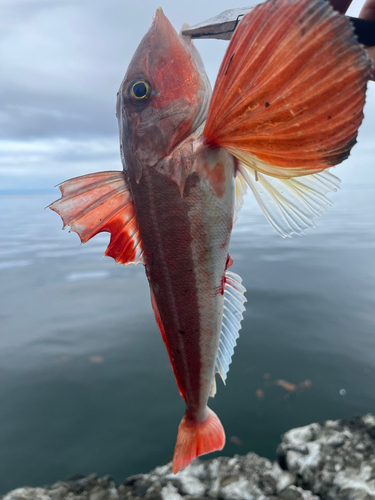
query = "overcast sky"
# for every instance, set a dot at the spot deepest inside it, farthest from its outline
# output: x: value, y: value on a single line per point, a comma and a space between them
x: 62, y: 62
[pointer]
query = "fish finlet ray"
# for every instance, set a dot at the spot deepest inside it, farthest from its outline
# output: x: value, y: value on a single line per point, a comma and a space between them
x: 231, y: 322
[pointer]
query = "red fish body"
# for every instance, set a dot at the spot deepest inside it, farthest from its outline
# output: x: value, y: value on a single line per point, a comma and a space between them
x: 184, y: 198
x: 185, y: 240
x: 186, y: 163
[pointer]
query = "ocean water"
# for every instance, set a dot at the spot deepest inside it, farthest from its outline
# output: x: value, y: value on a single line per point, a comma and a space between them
x: 85, y: 381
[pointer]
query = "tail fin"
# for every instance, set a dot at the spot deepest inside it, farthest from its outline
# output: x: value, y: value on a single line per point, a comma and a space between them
x: 197, y: 438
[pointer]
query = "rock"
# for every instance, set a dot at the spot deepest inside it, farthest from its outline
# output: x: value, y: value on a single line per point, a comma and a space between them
x: 278, y: 478
x: 58, y: 493
x: 169, y: 492
x: 297, y: 493
x: 239, y: 478
x: 27, y: 494
x: 99, y: 493
x: 335, y: 459
x: 249, y: 477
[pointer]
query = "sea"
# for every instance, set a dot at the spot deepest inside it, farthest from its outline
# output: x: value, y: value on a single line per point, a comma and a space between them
x: 85, y: 381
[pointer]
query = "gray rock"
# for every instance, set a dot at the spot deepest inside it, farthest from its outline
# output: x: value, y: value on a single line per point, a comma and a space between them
x: 335, y: 459
x: 328, y: 461
x: 98, y: 493
x: 297, y: 493
x: 249, y: 477
x: 58, y: 492
x: 28, y: 494
x: 169, y: 492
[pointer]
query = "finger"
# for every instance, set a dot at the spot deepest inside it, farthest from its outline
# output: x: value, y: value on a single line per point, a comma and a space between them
x: 371, y: 53
x: 340, y: 5
x: 368, y: 10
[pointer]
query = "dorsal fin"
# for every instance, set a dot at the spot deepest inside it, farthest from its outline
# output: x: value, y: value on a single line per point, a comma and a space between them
x: 234, y: 300
x: 102, y: 202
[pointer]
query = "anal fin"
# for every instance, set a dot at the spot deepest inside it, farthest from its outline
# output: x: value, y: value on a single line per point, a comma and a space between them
x: 234, y: 300
x: 102, y: 202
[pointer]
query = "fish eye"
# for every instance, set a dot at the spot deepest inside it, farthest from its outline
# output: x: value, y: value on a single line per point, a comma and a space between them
x: 140, y: 91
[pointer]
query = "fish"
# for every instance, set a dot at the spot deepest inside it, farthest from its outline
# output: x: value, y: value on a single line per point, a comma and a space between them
x: 286, y: 106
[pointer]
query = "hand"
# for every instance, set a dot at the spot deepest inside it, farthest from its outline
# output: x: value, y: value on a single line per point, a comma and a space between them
x: 368, y: 12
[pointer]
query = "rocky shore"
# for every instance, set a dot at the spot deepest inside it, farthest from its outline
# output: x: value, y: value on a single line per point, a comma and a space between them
x: 334, y: 460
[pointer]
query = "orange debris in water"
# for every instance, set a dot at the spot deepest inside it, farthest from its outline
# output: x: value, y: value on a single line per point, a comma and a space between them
x: 306, y: 384
x: 98, y: 360
x: 288, y: 386
x: 259, y: 393
x: 236, y: 440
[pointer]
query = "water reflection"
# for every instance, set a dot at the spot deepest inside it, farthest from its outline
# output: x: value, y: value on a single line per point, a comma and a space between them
x: 85, y: 382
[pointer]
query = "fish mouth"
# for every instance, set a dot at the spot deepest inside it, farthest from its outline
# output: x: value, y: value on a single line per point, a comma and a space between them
x: 160, y: 17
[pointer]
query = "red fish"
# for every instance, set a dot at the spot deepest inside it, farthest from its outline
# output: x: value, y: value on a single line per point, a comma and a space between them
x: 287, y: 102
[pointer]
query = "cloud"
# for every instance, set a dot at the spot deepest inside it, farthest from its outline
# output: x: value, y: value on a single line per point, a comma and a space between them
x: 62, y: 63
x: 44, y: 163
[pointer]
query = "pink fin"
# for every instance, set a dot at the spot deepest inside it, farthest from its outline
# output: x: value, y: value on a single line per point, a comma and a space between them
x: 102, y: 202
x: 197, y: 438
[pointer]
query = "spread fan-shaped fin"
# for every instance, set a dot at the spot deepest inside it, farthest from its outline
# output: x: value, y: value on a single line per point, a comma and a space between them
x: 234, y: 300
x: 102, y: 202
x: 290, y: 90
x: 291, y: 205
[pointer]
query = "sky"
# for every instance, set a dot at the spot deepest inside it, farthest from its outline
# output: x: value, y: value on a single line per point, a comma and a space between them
x: 62, y: 62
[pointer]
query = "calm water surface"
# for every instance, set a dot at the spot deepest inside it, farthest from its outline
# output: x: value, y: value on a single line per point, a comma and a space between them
x: 85, y: 381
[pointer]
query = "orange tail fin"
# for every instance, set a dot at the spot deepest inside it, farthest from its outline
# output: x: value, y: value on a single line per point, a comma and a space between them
x: 197, y: 438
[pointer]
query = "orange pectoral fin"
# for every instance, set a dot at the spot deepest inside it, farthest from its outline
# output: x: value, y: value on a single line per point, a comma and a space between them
x: 290, y: 92
x: 102, y: 202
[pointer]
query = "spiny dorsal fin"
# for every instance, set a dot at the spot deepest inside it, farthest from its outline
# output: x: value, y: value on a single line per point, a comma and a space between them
x: 291, y: 205
x: 290, y: 90
x: 234, y: 300
x: 97, y: 203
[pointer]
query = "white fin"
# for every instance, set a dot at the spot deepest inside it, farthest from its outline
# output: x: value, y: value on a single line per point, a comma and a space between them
x: 234, y: 300
x: 241, y: 190
x: 291, y: 205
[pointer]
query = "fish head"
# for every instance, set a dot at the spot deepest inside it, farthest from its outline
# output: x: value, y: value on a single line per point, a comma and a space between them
x: 163, y: 97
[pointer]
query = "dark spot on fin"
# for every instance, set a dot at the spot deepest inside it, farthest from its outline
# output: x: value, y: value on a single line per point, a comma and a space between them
x: 230, y: 62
